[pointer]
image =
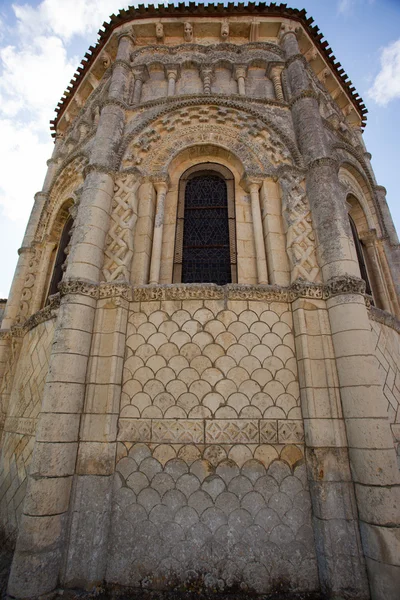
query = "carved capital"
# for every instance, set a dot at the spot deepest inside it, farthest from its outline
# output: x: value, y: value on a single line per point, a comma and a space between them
x: 240, y: 71
x: 172, y: 71
x: 251, y: 183
x: 141, y: 73
x: 127, y: 31
x: 368, y: 237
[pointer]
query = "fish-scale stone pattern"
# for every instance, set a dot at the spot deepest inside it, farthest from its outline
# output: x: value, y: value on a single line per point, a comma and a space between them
x: 387, y: 351
x: 20, y: 425
x: 188, y: 517
x: 199, y: 372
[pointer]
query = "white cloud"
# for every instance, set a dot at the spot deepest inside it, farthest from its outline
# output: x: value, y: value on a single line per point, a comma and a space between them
x: 65, y: 18
x: 23, y: 159
x: 34, y: 77
x: 386, y: 86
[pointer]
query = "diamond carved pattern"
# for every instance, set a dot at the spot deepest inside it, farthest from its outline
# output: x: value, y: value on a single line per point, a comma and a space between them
x: 228, y: 432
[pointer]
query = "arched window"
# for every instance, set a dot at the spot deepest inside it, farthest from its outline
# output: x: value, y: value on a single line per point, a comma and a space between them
x: 60, y: 257
x: 205, y: 244
x: 360, y: 256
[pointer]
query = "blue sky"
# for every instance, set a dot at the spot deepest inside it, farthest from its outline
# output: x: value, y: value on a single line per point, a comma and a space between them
x: 43, y: 41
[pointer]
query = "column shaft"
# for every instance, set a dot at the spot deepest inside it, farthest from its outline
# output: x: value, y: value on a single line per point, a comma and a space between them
x: 155, y: 265
x: 262, y: 273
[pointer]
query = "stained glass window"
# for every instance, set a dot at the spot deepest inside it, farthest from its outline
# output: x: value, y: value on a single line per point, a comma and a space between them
x: 205, y: 247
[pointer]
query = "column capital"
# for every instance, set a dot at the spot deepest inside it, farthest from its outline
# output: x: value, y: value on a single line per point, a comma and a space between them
x: 161, y: 185
x: 126, y: 31
x: 140, y: 73
x: 275, y: 69
x: 240, y: 71
x: 251, y: 182
x: 368, y: 237
x: 206, y: 71
x: 288, y: 27
x: 172, y: 71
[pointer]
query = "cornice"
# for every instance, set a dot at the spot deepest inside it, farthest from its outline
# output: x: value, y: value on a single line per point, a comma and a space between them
x: 122, y: 292
x: 271, y: 293
x: 217, y: 11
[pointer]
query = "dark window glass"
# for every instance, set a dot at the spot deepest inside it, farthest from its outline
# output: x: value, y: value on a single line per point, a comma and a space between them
x: 360, y: 256
x: 60, y: 258
x: 206, y: 254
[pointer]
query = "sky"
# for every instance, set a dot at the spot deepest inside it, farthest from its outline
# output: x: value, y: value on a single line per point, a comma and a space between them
x: 43, y: 41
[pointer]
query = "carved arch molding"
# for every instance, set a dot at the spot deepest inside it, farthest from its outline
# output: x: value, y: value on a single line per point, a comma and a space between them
x: 149, y: 149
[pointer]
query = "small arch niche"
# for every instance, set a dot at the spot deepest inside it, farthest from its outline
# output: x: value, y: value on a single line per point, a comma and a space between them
x: 58, y: 255
x: 358, y: 225
x: 205, y: 242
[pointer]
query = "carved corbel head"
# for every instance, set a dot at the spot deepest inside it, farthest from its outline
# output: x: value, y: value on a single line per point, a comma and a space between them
x: 224, y: 31
x: 105, y: 59
x: 159, y: 32
x: 188, y: 31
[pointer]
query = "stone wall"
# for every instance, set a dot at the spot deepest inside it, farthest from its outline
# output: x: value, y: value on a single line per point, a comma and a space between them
x: 211, y: 488
x: 387, y: 351
x: 18, y: 437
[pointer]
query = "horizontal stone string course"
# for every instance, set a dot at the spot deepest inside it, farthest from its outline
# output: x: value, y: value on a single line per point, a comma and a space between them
x: 214, y: 431
x: 299, y: 289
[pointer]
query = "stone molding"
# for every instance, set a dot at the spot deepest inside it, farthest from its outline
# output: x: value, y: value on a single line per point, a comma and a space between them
x: 303, y: 94
x: 95, y: 167
x: 325, y: 161
x: 384, y: 317
x: 295, y: 57
x: 121, y: 290
x: 46, y: 313
x: 122, y: 63
x: 211, y: 291
x: 210, y: 100
x: 225, y: 48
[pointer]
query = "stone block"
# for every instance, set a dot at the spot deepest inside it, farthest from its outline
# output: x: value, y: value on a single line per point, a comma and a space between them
x: 47, y: 496
x: 58, y: 427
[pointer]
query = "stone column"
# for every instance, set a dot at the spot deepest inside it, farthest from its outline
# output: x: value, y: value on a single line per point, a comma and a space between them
x: 42, y: 278
x: 253, y: 186
x: 161, y: 188
x: 275, y: 74
x: 206, y: 75
x: 140, y: 77
x: 43, y: 537
x: 172, y: 75
x: 240, y: 76
x: 368, y: 240
x: 371, y: 453
x: 26, y: 252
